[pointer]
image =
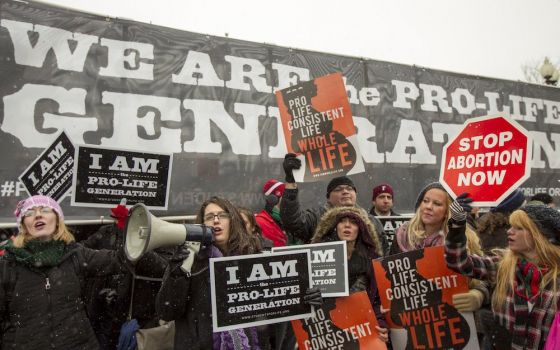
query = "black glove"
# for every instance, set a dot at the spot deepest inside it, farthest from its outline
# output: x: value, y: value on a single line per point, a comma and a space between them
x: 313, y: 297
x: 360, y: 284
x: 290, y: 163
x: 108, y: 295
x: 459, y: 209
x: 181, y: 253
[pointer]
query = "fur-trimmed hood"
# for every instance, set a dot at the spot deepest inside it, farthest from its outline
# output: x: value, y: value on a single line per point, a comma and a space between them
x: 367, y: 234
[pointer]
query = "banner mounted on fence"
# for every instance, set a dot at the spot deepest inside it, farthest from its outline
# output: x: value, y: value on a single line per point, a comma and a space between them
x: 210, y: 101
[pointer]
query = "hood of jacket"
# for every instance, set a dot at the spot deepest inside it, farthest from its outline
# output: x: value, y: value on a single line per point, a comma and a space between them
x: 367, y: 234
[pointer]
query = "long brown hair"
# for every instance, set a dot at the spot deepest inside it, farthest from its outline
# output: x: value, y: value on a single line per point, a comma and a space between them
x: 251, y: 219
x: 239, y: 241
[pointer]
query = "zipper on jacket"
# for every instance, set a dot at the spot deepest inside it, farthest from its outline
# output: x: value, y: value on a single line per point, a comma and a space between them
x: 49, y: 307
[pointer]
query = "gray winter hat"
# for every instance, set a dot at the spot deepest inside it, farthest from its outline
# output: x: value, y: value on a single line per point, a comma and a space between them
x: 547, y: 220
x: 428, y: 187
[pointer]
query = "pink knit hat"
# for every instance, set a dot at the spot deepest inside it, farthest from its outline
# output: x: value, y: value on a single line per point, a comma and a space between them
x: 36, y: 201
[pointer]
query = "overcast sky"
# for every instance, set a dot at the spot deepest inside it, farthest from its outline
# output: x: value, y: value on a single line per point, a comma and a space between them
x: 492, y: 38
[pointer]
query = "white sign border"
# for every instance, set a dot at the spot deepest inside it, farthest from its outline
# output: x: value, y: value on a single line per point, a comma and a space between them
x: 41, y: 155
x: 346, y: 291
x: 100, y: 205
x: 261, y: 322
x: 519, y: 182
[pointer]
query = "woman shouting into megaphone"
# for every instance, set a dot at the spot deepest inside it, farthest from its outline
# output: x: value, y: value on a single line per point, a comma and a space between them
x: 185, y: 297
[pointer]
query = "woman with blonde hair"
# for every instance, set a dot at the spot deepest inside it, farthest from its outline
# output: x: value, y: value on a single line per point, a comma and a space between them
x: 428, y: 228
x: 525, y: 275
x: 429, y: 225
x: 41, y: 278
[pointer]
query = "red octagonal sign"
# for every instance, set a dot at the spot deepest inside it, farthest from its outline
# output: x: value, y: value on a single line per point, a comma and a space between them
x: 489, y: 158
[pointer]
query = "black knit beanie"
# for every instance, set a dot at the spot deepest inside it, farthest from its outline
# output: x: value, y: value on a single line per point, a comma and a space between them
x: 337, y: 181
x: 426, y: 189
x: 547, y: 220
x: 512, y: 202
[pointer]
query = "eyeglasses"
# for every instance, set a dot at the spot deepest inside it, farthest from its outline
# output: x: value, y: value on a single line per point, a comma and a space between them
x: 32, y: 212
x: 211, y: 217
x: 344, y: 188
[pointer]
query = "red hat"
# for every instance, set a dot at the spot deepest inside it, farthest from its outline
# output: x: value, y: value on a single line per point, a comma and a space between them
x: 274, y: 187
x: 382, y: 188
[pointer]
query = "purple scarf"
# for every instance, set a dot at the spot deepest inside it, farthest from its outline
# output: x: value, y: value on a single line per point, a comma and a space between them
x: 235, y: 339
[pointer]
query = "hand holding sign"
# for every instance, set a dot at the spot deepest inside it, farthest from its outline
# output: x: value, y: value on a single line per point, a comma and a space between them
x: 460, y: 207
x: 313, y: 296
x: 469, y: 301
x: 489, y: 158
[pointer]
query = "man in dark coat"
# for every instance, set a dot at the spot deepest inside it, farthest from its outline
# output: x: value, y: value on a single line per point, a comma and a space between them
x: 382, y: 201
x: 301, y: 223
x: 108, y: 298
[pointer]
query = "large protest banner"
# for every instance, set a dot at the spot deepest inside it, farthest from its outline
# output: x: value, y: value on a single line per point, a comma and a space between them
x: 104, y: 176
x: 318, y: 127
x: 344, y: 323
x: 329, y: 266
x: 210, y: 101
x: 259, y: 289
x: 51, y: 173
x: 417, y: 289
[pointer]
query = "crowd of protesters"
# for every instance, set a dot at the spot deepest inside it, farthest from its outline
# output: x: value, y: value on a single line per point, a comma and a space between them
x: 60, y: 294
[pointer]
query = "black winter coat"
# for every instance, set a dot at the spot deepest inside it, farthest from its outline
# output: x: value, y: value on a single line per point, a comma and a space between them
x: 46, y: 310
x: 145, y: 291
x: 187, y: 301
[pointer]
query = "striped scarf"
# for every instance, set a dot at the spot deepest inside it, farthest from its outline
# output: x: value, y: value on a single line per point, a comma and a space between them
x: 529, y: 276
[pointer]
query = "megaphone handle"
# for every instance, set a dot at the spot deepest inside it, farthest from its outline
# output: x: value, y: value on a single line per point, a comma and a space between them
x: 187, y: 264
x: 131, y: 296
x: 194, y: 248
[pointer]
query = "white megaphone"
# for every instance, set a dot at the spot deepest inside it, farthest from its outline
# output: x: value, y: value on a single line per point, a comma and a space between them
x: 145, y: 232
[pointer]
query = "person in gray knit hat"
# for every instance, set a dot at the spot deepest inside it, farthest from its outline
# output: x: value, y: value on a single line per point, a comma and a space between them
x: 430, y: 186
x: 547, y: 220
x: 525, y: 276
